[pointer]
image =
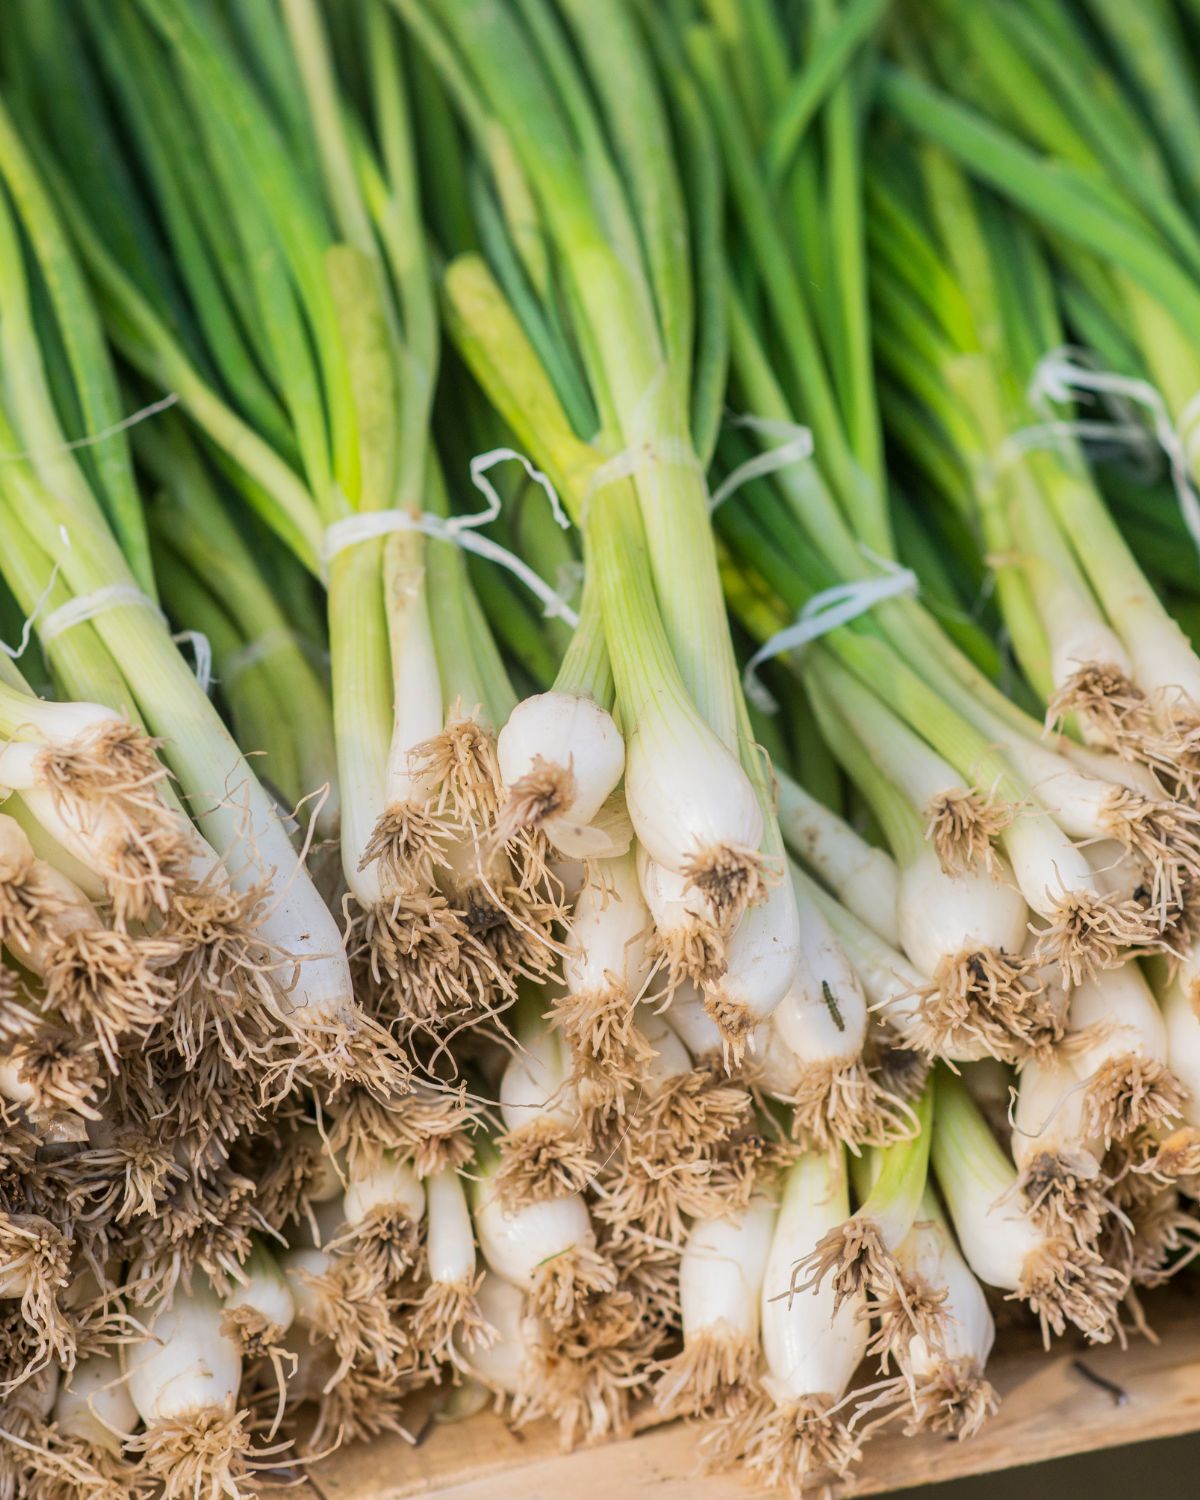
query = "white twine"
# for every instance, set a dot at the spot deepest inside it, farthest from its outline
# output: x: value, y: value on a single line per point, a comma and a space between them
x: 795, y: 447
x: 86, y: 607
x: 822, y: 613
x: 630, y: 461
x: 1060, y: 378
x: 92, y: 439
x: 460, y: 531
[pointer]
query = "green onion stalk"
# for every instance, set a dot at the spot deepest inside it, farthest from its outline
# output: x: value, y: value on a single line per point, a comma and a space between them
x: 973, y: 364
x: 974, y: 756
x: 1126, y: 259
x: 592, y: 166
x: 305, y: 353
x: 234, y: 865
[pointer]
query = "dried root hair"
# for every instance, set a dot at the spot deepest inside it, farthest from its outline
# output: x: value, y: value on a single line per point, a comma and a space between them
x: 730, y: 880
x: 110, y: 1185
x: 961, y: 825
x: 112, y: 772
x: 224, y: 976
x: 907, y: 1307
x: 854, y: 1255
x: 990, y: 997
x: 364, y: 1323
x: 431, y: 1126
x: 431, y: 969
x: 953, y: 1400
x: 1173, y: 1156
x: 589, y: 1395
x: 514, y: 926
x: 839, y: 1100
x: 70, y: 1468
x: 564, y: 1283
x: 792, y: 1447
x: 62, y: 1073
x: 1061, y: 1284
x: 336, y: 1049
x: 601, y: 1028
x: 206, y: 1453
x: 206, y: 1223
x: 541, y: 1159
x: 462, y: 769
x: 1164, y: 834
x: 1090, y: 932
x: 1128, y: 1092
x: 1067, y: 1194
x: 545, y: 790
x: 384, y: 1245
x: 29, y: 906
x: 32, y: 1249
x: 694, y: 950
x: 714, y: 1368
x: 448, y: 1325
x: 107, y: 985
x: 1105, y: 698
x: 358, y: 1405
x: 409, y: 841
x: 736, y: 1023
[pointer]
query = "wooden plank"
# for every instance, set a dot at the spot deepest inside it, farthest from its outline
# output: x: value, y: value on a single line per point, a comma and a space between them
x: 1050, y: 1409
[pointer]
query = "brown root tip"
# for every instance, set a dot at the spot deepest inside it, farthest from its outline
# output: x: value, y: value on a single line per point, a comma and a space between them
x: 61, y: 1072
x: 430, y: 1127
x: 736, y: 1023
x: 383, y: 1245
x: 953, y: 1400
x: 1165, y: 836
x: 410, y: 842
x: 690, y: 1149
x: 363, y: 1321
x: 109, y: 984
x: 1067, y: 1195
x: 543, y: 1159
x: 709, y: 1370
x: 512, y: 927
x: 418, y: 951
x: 462, y: 770
x: 910, y: 1307
x: 961, y: 824
x: 252, y: 1330
x: 854, y: 1255
x: 991, y: 998
x: 1063, y: 1284
x: 839, y: 1101
x: 543, y: 792
x: 1128, y: 1092
x: 729, y: 879
x: 37, y: 1256
x: 587, y: 1391
x: 563, y: 1284
x: 1177, y: 1158
x: 448, y: 1325
x: 601, y: 1024
x: 793, y: 1447
x: 693, y: 950
x: 1089, y: 932
x: 337, y: 1049
x: 207, y: 1453
x: 1104, y: 697
x: 356, y: 1406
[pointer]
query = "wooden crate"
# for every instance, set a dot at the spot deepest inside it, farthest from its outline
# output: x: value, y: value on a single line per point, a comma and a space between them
x: 1072, y: 1400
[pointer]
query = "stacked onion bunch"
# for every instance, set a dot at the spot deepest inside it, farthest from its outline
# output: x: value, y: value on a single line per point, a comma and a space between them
x: 675, y: 1080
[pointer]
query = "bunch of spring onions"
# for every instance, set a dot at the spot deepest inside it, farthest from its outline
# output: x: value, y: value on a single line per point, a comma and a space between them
x: 598, y: 734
